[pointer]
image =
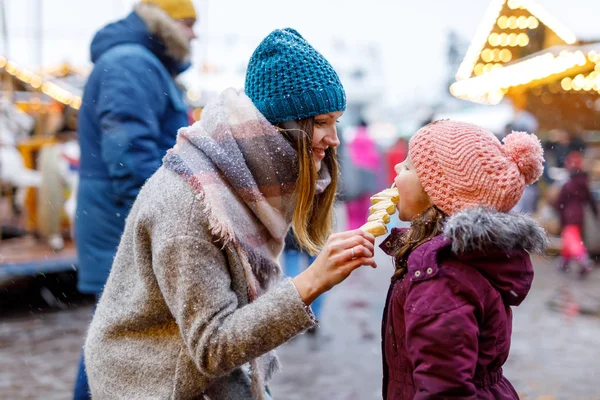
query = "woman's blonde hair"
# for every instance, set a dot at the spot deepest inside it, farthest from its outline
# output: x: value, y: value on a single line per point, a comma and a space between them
x: 423, y: 228
x: 312, y: 221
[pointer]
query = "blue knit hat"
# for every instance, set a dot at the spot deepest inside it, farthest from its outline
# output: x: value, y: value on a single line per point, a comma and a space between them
x: 287, y: 79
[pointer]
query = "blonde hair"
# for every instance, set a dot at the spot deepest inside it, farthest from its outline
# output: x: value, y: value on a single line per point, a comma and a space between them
x: 312, y: 221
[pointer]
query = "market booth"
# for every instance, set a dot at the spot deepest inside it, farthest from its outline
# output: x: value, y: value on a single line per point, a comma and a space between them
x: 40, y: 156
x: 523, y: 54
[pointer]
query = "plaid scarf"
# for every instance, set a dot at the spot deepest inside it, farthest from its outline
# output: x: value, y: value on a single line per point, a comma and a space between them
x: 245, y: 172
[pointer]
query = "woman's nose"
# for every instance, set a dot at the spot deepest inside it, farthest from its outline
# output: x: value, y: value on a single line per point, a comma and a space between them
x: 397, y: 168
x: 331, y: 139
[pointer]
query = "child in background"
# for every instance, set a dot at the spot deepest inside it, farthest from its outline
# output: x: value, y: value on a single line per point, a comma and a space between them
x: 462, y: 263
x: 574, y: 196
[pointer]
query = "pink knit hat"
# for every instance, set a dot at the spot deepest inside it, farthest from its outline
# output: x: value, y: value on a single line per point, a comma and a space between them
x: 462, y: 165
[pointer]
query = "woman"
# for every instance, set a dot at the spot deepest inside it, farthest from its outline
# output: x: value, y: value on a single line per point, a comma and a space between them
x: 193, y: 296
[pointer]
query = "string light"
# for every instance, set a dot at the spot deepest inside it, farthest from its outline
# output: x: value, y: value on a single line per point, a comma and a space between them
x: 537, y: 10
x: 532, y: 22
x: 505, y: 55
x: 481, y: 37
x: 492, y: 18
x: 503, y: 22
x: 35, y: 81
x: 485, y: 88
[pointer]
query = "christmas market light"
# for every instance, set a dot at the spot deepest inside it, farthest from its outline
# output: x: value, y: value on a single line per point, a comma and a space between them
x: 505, y: 55
x: 481, y: 37
x: 562, y: 31
x: 492, y: 18
x: 522, y: 39
x: 35, y: 81
x: 485, y: 88
x: 503, y: 22
x: 566, y: 84
x: 532, y: 23
x: 513, y: 4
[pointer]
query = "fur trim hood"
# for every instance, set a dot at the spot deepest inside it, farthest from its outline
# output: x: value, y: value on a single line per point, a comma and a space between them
x: 151, y: 27
x: 164, y: 27
x: 480, y: 229
x: 495, y: 244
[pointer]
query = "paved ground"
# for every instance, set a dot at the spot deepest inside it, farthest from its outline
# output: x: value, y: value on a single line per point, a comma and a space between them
x: 554, y: 353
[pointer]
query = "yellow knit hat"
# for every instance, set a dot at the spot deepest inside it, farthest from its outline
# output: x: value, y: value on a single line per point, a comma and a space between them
x: 177, y: 9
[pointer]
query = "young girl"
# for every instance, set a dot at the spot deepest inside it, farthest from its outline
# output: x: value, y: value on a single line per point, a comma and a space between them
x: 461, y: 265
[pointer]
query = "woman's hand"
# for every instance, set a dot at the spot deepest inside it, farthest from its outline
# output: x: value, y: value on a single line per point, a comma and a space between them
x: 343, y: 253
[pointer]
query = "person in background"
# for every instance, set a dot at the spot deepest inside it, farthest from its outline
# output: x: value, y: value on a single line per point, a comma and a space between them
x: 396, y: 154
x: 364, y: 154
x: 572, y: 199
x: 129, y: 117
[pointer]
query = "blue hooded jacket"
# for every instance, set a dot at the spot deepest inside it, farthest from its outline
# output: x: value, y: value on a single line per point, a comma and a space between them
x: 129, y: 118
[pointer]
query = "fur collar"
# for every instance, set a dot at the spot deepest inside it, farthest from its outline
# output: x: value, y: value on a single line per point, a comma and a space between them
x: 479, y: 228
x: 163, y: 26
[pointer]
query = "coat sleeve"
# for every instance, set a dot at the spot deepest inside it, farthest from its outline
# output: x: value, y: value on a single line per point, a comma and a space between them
x: 442, y: 345
x: 591, y: 200
x: 195, y: 281
x: 129, y: 107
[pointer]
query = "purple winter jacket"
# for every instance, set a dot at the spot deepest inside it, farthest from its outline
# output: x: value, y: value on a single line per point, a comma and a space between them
x: 447, y: 323
x: 572, y: 199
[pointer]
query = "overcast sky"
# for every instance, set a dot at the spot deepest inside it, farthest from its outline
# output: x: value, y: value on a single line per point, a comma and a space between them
x: 411, y: 34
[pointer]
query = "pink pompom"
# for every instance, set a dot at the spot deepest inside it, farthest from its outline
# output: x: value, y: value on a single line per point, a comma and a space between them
x: 526, y: 151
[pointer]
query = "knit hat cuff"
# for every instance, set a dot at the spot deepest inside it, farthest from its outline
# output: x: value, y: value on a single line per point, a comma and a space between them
x: 302, y: 105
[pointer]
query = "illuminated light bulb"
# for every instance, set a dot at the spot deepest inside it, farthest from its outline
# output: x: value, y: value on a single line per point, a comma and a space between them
x: 532, y: 22
x: 505, y: 55
x: 495, y: 97
x: 522, y: 22
x: 497, y: 67
x: 512, y: 22
x: 513, y: 4
x: 578, y: 82
x: 503, y: 22
x: 76, y: 103
x: 3, y: 62
x: 522, y: 39
x: 488, y: 68
x: 36, y: 81
x: 478, y: 70
x: 503, y: 39
x: 496, y: 54
x: 487, y: 55
x: 11, y: 68
x: 581, y: 58
x: 512, y: 39
x: 588, y: 84
x: 493, y: 39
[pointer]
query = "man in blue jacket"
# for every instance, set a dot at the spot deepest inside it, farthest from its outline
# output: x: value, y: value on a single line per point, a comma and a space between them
x: 131, y: 111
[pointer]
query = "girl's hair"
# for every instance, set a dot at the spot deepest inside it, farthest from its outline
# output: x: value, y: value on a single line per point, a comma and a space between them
x: 312, y: 221
x: 423, y: 228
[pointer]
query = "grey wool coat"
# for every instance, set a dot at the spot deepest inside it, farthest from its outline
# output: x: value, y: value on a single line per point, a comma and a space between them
x: 174, y: 321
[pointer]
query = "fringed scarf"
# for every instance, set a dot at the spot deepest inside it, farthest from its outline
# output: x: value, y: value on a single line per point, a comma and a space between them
x: 245, y: 172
